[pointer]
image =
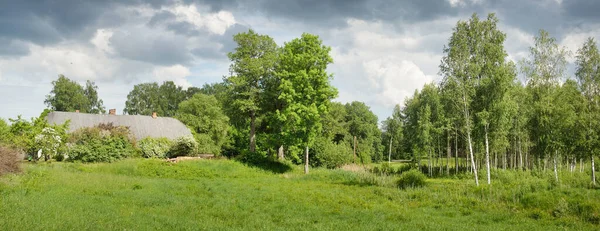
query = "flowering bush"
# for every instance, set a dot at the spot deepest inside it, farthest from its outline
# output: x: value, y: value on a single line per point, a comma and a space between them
x: 183, y: 146
x: 155, y: 147
x: 48, y: 141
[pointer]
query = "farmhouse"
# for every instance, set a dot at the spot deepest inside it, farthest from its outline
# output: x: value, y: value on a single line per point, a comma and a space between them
x: 140, y: 126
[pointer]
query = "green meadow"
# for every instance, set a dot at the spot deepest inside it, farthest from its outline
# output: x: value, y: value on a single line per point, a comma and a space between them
x: 148, y: 194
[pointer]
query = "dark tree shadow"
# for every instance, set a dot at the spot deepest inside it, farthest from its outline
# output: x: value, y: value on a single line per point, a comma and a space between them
x: 271, y: 166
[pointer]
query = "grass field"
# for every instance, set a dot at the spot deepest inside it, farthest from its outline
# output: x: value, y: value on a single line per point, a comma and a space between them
x: 140, y: 194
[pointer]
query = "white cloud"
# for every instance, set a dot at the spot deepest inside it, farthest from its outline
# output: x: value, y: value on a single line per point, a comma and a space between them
x: 216, y: 23
x: 175, y: 73
x: 102, y: 40
x: 394, y: 79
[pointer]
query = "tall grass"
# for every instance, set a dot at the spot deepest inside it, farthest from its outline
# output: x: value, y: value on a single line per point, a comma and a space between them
x: 144, y: 194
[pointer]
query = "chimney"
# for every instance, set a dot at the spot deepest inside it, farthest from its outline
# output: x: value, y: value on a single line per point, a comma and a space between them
x: 154, y: 114
x: 112, y: 111
x: 76, y: 111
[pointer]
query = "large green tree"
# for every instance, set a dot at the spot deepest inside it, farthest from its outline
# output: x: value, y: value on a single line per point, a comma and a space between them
x: 253, y: 61
x: 68, y: 95
x: 163, y: 99
x: 362, y: 124
x: 305, y: 89
x: 203, y: 115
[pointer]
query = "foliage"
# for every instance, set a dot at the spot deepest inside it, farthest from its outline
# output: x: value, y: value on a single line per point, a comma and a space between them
x: 183, y: 146
x: 5, y: 135
x: 362, y: 123
x: 103, y: 143
x: 204, y: 117
x: 22, y: 133
x: 68, y: 95
x: 252, y: 64
x: 411, y: 179
x: 9, y: 160
x: 155, y: 147
x: 330, y: 155
x: 164, y: 99
x: 305, y: 89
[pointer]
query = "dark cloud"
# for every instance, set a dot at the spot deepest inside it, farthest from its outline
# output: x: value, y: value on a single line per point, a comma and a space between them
x: 13, y: 48
x: 153, y: 48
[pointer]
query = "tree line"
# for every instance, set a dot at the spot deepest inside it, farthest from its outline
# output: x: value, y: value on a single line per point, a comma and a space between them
x: 277, y: 103
x: 483, y: 114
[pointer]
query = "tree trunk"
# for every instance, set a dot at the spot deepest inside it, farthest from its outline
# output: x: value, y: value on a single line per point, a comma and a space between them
x: 429, y: 161
x: 472, y: 159
x: 252, y: 131
x: 581, y: 165
x: 520, y: 154
x: 354, y: 148
x: 487, y: 155
x: 456, y: 151
x: 449, y: 152
x: 593, y: 172
x: 306, y: 161
x: 280, y: 154
x: 555, y: 169
x: 390, y: 153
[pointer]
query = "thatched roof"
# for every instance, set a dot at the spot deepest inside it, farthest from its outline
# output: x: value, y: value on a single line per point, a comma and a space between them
x: 140, y: 126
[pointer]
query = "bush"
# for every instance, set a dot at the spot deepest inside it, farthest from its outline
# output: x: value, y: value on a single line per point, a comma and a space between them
x: 330, y: 155
x: 9, y: 160
x: 206, y: 145
x: 103, y: 143
x: 155, y: 147
x: 411, y: 179
x: 183, y: 146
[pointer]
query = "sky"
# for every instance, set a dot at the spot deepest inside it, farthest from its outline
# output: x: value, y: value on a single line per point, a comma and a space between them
x: 382, y: 50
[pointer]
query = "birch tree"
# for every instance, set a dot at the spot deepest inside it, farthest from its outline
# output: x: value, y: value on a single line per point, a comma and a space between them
x: 588, y: 76
x: 544, y: 70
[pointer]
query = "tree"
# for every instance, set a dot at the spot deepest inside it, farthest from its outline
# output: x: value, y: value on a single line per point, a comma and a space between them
x: 461, y: 68
x: 362, y: 124
x: 68, y: 95
x: 203, y: 115
x: 91, y: 93
x: 544, y: 70
x: 588, y: 76
x: 253, y: 61
x: 163, y: 99
x: 305, y: 89
x: 392, y: 137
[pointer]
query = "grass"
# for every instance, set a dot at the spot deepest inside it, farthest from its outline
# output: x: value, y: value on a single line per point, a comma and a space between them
x: 139, y: 194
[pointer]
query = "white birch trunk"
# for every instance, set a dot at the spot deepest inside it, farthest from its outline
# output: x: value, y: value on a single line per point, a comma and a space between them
x: 306, y: 161
x: 593, y: 172
x: 390, y: 153
x: 487, y: 156
x: 555, y: 169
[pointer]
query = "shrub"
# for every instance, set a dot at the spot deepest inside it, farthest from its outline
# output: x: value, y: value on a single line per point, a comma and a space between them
x: 49, y: 142
x: 330, y: 155
x: 155, y: 147
x: 103, y: 143
x: 9, y: 160
x: 183, y: 146
x: 411, y: 179
x: 206, y: 145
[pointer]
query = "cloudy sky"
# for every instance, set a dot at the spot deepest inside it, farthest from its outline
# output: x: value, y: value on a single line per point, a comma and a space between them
x: 382, y: 49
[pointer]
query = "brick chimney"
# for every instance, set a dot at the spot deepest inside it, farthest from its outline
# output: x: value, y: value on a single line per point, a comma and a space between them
x: 112, y: 111
x: 76, y: 111
x: 154, y: 115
